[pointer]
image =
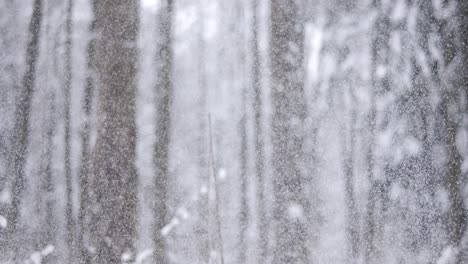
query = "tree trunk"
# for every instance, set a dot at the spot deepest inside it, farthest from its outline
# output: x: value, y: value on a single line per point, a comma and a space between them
x: 219, y: 256
x: 451, y: 112
x: 456, y: 218
x: 21, y: 128
x: 114, y: 154
x: 463, y: 24
x: 352, y: 225
x: 244, y: 210
x: 373, y: 225
x: 47, y: 197
x: 240, y: 75
x: 163, y: 124
x: 422, y: 94
x: 258, y: 134
x: 86, y: 227
x: 203, y: 223
x: 287, y: 39
x: 463, y: 34
x: 67, y: 140
x: 48, y: 183
x: 9, y: 80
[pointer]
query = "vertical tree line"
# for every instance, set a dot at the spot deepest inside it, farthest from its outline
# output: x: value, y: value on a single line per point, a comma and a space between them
x: 202, y: 230
x: 287, y: 91
x: 379, y: 39
x: 164, y: 94
x: 67, y: 139
x: 259, y: 135
x: 451, y: 112
x: 86, y: 226
x: 114, y: 152
x: 21, y: 127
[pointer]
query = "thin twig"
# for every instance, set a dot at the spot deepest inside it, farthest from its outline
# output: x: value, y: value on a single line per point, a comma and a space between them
x: 213, y: 174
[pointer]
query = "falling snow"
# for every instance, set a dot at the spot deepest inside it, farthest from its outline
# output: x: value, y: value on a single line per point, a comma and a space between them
x: 248, y: 131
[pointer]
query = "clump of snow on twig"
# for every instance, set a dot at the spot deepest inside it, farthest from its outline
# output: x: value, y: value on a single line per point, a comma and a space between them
x: 37, y: 256
x: 449, y: 256
x: 3, y: 221
x: 143, y: 255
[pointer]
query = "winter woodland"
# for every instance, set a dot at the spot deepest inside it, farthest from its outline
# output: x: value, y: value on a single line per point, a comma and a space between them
x: 234, y: 131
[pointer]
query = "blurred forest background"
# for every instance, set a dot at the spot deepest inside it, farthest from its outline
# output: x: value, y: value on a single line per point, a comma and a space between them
x: 233, y: 131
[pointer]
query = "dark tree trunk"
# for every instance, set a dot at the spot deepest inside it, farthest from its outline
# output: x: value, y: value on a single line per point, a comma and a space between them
x: 456, y: 218
x: 163, y: 125
x: 373, y: 225
x: 258, y: 137
x: 422, y: 94
x: 240, y: 74
x: 348, y: 152
x: 10, y: 86
x: 287, y: 39
x: 49, y: 234
x: 22, y: 115
x: 461, y: 219
x: 244, y: 210
x: 86, y: 228
x: 114, y: 154
x: 463, y: 24
x: 451, y: 112
x: 67, y: 140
